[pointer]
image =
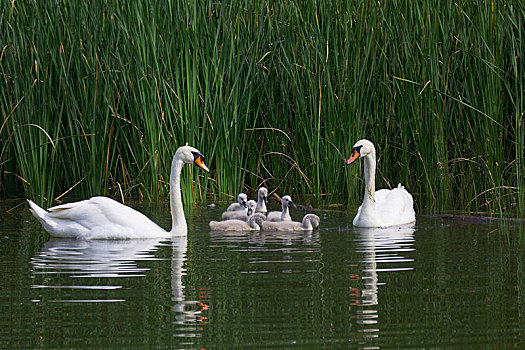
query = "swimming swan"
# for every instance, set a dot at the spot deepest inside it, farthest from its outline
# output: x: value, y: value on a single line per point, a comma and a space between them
x: 253, y: 224
x: 286, y: 202
x: 310, y: 221
x: 384, y: 207
x: 105, y: 218
x: 241, y: 214
x: 262, y: 199
x: 241, y: 205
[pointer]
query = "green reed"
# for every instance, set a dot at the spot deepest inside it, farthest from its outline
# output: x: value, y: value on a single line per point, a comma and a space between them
x: 96, y: 97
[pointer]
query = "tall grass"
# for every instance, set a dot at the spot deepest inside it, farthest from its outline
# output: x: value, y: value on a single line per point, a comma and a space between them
x: 97, y: 96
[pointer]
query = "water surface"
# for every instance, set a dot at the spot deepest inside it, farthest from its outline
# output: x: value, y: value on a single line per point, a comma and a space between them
x: 435, y: 285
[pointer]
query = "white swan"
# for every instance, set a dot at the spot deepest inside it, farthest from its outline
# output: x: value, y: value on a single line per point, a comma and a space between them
x: 241, y: 205
x: 384, y: 207
x: 253, y: 224
x: 284, y: 215
x: 262, y: 199
x: 310, y: 221
x: 241, y: 214
x: 105, y: 218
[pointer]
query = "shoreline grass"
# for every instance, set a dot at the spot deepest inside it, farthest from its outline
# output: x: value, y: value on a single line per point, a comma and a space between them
x: 96, y: 97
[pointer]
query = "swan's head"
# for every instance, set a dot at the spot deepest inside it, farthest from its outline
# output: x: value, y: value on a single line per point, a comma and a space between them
x: 263, y: 194
x: 258, y: 218
x: 362, y: 148
x: 243, y: 198
x: 314, y: 219
x: 251, y: 204
x: 190, y: 155
x: 287, y: 202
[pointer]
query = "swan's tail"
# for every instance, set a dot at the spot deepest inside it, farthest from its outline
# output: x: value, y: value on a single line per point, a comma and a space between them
x: 37, y: 212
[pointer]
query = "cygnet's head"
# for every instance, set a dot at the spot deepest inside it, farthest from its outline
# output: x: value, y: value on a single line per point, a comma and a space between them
x: 314, y: 219
x: 263, y: 194
x: 243, y: 199
x: 287, y: 202
x: 190, y: 155
x: 251, y: 204
x: 362, y: 148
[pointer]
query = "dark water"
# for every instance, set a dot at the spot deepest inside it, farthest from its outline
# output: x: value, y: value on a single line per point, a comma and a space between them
x: 436, y: 285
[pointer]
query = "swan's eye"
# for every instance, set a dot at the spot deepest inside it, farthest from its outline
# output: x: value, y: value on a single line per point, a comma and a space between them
x: 198, y: 160
x: 356, y: 149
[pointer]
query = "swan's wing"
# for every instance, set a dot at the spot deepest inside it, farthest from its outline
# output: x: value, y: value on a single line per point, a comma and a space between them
x: 100, y: 212
x: 394, y: 207
x: 234, y: 207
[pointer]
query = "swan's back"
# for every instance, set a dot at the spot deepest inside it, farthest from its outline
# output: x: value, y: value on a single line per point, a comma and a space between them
x: 310, y: 221
x: 394, y: 207
x: 253, y: 224
x: 230, y: 225
x: 96, y: 218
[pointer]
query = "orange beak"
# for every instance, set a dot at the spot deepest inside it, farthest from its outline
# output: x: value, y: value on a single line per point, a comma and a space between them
x: 200, y: 164
x: 354, y: 156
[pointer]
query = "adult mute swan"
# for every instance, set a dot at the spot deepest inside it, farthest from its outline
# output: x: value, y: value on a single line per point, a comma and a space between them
x: 262, y: 199
x: 241, y: 205
x: 284, y: 215
x: 241, y: 214
x: 253, y: 224
x: 384, y: 207
x: 105, y: 218
x: 310, y: 221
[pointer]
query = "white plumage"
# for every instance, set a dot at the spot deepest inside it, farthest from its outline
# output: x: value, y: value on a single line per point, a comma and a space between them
x: 381, y: 208
x: 105, y: 218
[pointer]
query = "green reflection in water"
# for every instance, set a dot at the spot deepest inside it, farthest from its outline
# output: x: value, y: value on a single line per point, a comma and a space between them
x: 438, y: 284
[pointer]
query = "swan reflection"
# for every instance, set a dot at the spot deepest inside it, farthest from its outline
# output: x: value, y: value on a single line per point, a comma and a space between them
x: 383, y: 251
x: 187, y: 312
x: 93, y: 258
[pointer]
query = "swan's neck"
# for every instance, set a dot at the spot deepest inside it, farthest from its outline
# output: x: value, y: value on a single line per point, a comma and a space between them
x: 285, y: 213
x: 369, y: 202
x: 307, y: 224
x: 260, y: 203
x: 178, y: 221
x: 252, y: 222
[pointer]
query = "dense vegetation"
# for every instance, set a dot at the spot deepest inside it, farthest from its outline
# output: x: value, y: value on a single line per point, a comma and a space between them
x: 97, y: 95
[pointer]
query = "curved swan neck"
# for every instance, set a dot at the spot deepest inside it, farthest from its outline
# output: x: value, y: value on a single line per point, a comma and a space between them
x: 307, y: 224
x: 178, y: 221
x: 370, y: 179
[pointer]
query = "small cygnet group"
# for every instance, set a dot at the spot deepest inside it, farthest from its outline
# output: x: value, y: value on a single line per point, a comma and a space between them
x: 248, y: 215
